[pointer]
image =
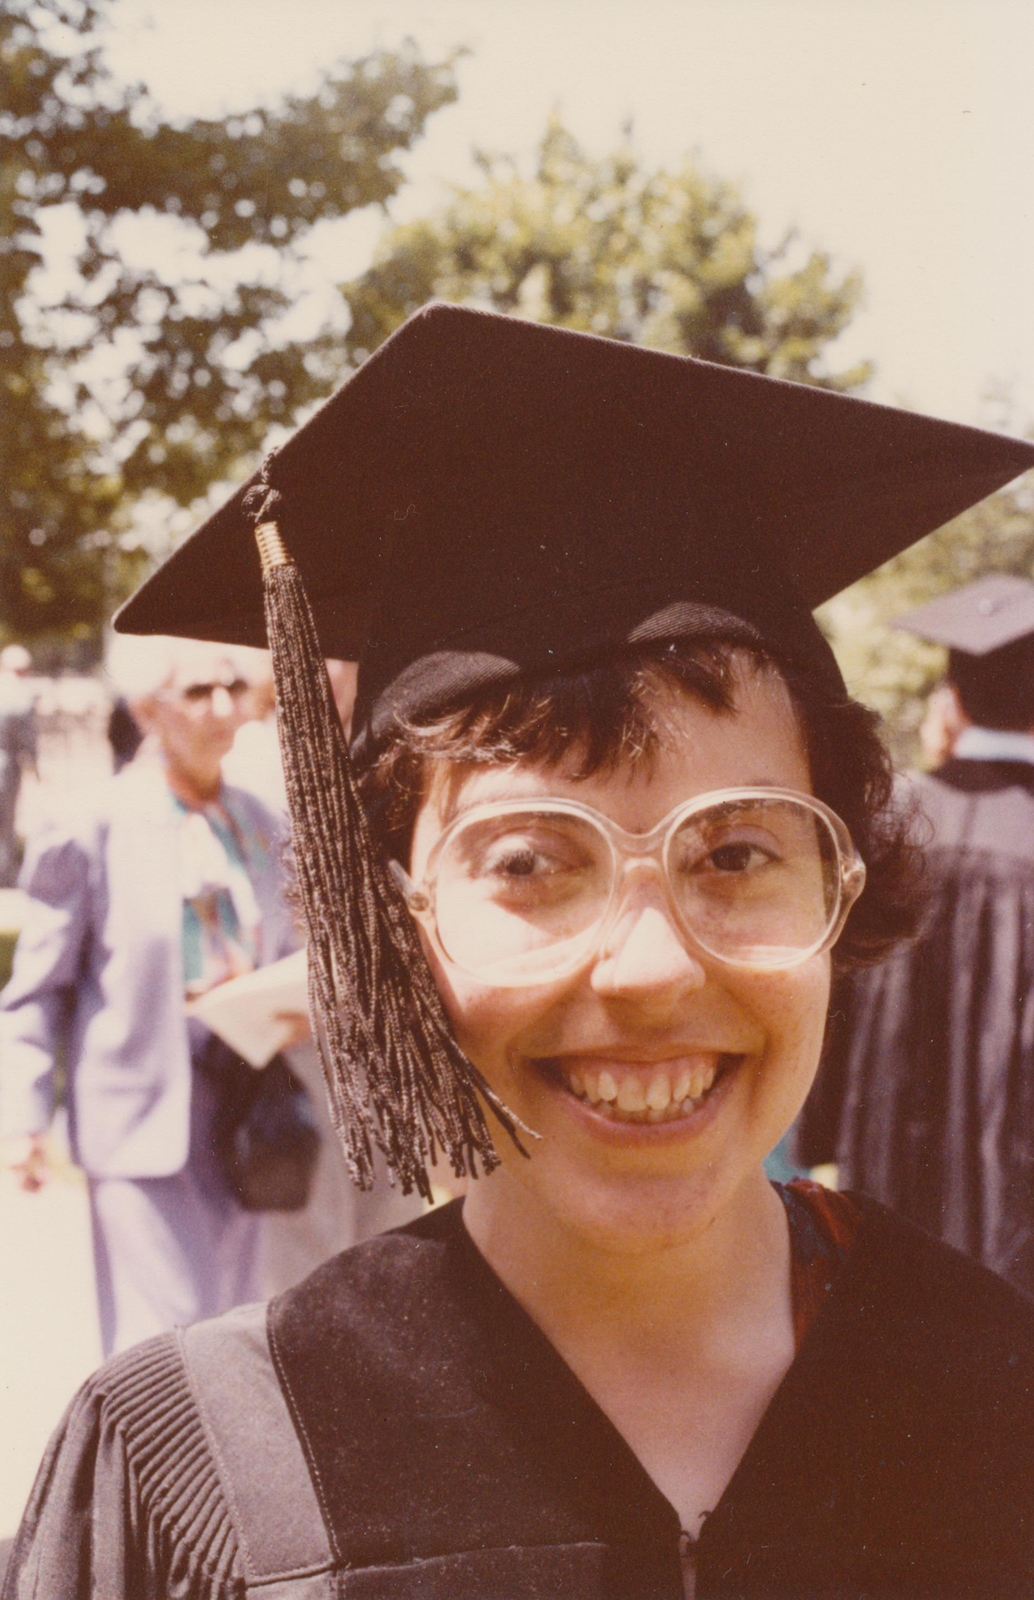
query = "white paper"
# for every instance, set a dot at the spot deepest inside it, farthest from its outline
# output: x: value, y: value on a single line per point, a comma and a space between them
x: 243, y: 1011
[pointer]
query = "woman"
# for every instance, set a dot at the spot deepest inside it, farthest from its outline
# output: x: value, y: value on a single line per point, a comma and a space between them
x: 630, y: 808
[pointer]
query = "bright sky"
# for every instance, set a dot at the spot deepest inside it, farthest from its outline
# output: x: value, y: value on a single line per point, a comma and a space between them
x: 897, y: 134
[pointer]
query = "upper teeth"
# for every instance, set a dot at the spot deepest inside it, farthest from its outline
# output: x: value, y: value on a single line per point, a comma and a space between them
x: 671, y: 1090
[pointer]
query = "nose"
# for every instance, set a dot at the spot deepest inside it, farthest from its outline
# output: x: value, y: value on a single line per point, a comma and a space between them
x: 223, y: 703
x: 644, y: 958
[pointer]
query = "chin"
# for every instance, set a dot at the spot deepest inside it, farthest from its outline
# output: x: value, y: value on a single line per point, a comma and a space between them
x: 630, y: 1214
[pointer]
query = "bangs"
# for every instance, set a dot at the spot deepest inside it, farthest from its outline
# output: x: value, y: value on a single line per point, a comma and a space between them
x: 615, y: 712
x: 610, y: 714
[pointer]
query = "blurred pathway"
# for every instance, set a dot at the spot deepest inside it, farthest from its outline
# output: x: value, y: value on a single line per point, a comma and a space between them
x: 49, y: 1340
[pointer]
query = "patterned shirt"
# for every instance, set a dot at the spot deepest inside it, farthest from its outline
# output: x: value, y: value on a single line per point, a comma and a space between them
x: 219, y: 853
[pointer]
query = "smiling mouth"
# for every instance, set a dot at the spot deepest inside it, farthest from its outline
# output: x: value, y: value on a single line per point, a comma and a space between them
x: 656, y: 1092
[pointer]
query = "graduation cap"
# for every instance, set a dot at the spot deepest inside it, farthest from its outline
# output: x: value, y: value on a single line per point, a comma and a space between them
x: 995, y: 611
x: 988, y: 628
x: 488, y: 499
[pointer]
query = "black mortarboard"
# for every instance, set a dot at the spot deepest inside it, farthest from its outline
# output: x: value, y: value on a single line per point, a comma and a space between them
x: 488, y: 495
x: 489, y: 498
x: 988, y: 627
x: 995, y: 611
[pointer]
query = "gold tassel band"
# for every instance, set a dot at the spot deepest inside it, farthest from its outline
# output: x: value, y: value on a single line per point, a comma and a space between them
x: 271, y: 548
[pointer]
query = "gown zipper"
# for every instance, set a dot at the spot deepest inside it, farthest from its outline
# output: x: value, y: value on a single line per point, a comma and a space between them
x: 688, y: 1562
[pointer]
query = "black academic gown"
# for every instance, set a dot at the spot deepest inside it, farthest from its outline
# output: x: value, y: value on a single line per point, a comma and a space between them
x: 925, y: 1097
x: 398, y: 1429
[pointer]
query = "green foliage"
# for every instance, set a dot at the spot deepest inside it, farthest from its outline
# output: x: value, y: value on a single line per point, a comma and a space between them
x: 892, y: 671
x: 669, y: 259
x: 7, y: 944
x: 159, y: 378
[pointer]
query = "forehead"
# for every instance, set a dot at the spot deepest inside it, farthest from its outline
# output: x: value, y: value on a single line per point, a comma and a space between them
x: 203, y: 663
x: 757, y: 740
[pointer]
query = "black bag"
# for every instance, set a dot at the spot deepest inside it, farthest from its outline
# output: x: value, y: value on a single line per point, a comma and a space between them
x: 265, y: 1130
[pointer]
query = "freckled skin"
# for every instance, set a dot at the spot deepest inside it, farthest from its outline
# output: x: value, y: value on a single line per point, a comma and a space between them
x: 649, y: 992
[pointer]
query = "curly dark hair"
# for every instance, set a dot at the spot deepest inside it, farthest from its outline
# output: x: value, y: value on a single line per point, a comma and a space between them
x: 611, y: 712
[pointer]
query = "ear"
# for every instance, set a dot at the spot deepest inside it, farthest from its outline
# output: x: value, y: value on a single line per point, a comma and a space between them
x: 943, y: 721
x: 144, y: 711
x: 959, y: 719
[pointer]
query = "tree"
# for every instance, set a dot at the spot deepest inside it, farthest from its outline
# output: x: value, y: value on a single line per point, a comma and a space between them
x: 672, y: 259
x: 669, y: 259
x: 158, y: 378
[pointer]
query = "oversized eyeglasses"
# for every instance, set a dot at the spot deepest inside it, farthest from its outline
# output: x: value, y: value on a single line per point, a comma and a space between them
x: 518, y: 892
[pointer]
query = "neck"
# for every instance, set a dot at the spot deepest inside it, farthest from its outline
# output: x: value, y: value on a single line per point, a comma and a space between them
x: 195, y: 787
x: 734, y: 1268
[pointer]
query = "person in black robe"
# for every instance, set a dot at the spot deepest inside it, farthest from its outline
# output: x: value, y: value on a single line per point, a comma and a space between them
x: 573, y: 896
x: 926, y: 1095
x: 125, y: 735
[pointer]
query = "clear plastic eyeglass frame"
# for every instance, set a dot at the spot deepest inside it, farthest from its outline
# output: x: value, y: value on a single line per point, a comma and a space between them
x: 563, y: 958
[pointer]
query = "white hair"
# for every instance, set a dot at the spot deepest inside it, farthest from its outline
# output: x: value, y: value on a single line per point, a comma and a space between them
x: 138, y: 667
x: 15, y: 658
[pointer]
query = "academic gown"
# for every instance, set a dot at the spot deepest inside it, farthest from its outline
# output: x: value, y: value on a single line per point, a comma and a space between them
x: 398, y: 1429
x: 925, y: 1097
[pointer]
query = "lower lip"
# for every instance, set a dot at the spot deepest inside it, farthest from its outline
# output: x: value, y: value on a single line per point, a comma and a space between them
x: 614, y: 1131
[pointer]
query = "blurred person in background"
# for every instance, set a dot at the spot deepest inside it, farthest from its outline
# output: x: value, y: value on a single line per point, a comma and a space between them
x: 943, y: 721
x: 164, y: 883
x: 926, y: 1094
x: 124, y: 733
x: 253, y: 760
x: 17, y: 749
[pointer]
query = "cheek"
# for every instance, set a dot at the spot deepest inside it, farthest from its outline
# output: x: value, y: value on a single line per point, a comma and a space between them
x: 487, y: 1022
x: 173, y: 733
x: 794, y: 1015
x: 788, y: 1007
x: 472, y: 1010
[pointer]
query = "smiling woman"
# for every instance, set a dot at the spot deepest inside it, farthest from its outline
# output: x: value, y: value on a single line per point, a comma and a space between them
x: 584, y: 1055
x: 597, y: 928
x: 574, y: 896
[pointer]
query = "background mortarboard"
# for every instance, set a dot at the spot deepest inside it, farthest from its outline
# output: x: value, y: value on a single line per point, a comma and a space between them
x: 995, y: 611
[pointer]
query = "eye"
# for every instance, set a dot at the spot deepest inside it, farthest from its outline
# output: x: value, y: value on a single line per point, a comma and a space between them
x: 738, y: 855
x: 517, y: 863
x: 515, y: 860
x: 727, y: 853
x: 523, y: 860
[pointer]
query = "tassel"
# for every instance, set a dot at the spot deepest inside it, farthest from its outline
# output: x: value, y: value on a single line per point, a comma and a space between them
x: 396, y: 1078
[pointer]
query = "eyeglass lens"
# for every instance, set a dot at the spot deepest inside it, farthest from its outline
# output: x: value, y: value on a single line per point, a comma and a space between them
x: 754, y: 881
x: 204, y: 691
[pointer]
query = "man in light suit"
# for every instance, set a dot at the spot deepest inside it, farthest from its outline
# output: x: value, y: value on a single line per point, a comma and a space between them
x: 164, y: 883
